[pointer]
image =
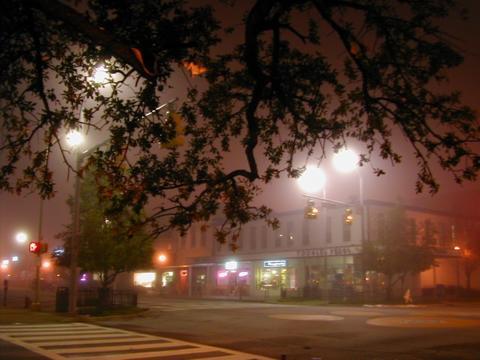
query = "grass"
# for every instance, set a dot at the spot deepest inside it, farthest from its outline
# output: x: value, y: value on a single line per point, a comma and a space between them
x: 26, y: 316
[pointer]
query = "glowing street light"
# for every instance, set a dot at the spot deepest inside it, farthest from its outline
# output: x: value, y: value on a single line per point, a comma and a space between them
x: 345, y: 160
x: 74, y: 138
x: 21, y: 237
x: 100, y: 74
x: 162, y: 258
x: 312, y: 180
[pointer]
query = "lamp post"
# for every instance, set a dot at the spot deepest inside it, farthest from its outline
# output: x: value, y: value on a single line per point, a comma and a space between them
x: 346, y: 161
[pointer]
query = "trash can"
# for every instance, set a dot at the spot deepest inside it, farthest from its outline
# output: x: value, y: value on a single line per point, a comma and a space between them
x: 61, y: 304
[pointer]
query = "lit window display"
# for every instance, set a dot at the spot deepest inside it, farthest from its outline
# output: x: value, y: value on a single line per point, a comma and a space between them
x: 146, y: 279
x: 275, y: 278
x: 167, y: 278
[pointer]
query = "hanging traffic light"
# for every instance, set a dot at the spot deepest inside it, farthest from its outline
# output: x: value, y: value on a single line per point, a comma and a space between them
x: 311, y: 211
x: 34, y: 247
x: 37, y: 247
x: 348, y: 216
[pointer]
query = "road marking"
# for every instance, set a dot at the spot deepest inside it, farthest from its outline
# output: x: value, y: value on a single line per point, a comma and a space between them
x: 424, y: 322
x: 356, y: 313
x: 78, y: 341
x: 307, y: 317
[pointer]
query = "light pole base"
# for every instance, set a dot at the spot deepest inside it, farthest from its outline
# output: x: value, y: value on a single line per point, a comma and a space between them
x: 35, y: 306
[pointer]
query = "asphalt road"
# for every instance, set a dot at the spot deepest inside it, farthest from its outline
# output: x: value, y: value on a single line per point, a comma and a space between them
x: 316, y: 332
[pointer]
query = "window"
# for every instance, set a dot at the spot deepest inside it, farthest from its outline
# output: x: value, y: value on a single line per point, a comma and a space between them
x: 328, y: 230
x: 429, y: 237
x: 264, y: 237
x: 253, y: 237
x: 183, y: 241
x: 306, y: 232
x: 290, y: 235
x: 278, y: 239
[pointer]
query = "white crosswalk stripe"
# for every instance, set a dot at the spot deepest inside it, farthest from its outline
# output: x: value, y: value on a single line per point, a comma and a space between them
x: 80, y: 341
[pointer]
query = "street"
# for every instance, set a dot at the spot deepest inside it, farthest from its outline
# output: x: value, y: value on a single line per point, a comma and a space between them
x: 322, y: 332
x: 222, y: 329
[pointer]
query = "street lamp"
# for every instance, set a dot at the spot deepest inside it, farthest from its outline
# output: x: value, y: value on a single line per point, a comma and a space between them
x: 345, y: 161
x: 21, y: 237
x: 312, y: 180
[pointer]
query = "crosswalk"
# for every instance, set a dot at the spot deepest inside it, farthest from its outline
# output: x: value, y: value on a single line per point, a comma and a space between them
x: 81, y: 341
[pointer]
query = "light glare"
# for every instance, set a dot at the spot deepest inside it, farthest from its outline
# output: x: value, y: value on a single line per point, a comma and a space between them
x: 312, y: 180
x: 74, y: 138
x: 21, y: 237
x: 345, y: 160
x: 100, y: 74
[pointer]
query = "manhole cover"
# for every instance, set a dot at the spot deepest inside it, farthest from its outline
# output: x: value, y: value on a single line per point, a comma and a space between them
x: 423, y: 322
x: 307, y: 317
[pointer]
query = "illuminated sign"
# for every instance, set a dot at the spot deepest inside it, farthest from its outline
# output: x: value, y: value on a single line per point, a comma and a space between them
x: 274, y: 263
x: 231, y: 265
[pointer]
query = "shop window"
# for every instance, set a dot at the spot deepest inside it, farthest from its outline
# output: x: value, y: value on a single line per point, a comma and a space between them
x: 273, y: 278
x: 264, y: 237
x: 167, y: 278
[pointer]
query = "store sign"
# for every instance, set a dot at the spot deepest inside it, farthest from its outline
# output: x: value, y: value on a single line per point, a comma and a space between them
x: 333, y: 251
x: 231, y: 265
x: 274, y: 263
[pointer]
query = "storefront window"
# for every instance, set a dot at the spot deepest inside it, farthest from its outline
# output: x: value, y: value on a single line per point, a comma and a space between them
x: 167, y: 278
x: 146, y: 279
x: 275, y: 278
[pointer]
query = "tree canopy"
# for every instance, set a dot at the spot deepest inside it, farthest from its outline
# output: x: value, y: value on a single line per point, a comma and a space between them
x: 110, y: 244
x: 292, y: 79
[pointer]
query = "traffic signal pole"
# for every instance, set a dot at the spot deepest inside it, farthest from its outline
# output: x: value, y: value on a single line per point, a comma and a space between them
x: 38, y: 260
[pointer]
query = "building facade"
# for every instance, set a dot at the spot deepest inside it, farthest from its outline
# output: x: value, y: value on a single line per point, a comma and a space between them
x: 318, y: 258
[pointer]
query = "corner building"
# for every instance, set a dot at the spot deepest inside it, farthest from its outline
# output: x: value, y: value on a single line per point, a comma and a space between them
x: 317, y: 258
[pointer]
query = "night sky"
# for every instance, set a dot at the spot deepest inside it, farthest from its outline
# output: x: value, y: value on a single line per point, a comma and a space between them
x: 21, y: 212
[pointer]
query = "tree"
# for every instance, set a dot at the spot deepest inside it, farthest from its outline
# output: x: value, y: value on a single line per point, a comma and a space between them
x: 109, y: 243
x: 471, y: 252
x: 394, y: 255
x: 280, y: 95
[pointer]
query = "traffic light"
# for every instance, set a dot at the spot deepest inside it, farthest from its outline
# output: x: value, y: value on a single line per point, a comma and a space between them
x: 311, y: 211
x: 36, y: 247
x: 348, y: 216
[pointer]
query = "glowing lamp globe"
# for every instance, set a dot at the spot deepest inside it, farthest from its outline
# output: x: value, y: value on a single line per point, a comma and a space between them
x: 345, y: 160
x: 312, y: 180
x: 21, y: 238
x: 75, y: 138
x: 100, y: 74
